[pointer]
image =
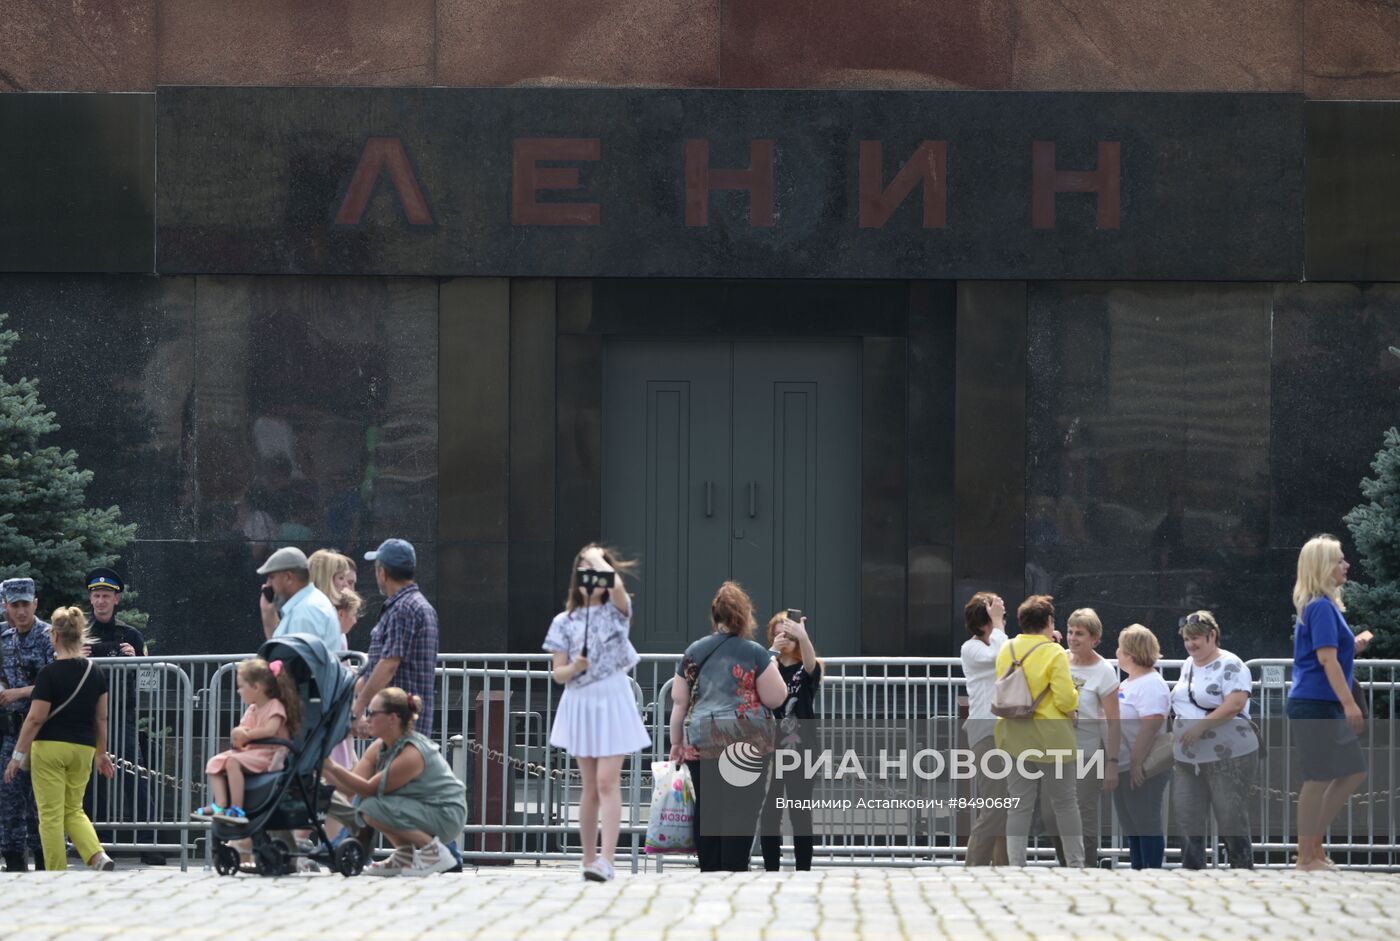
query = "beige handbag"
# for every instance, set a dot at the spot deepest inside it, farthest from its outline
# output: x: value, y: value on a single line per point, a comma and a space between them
x: 1161, y: 757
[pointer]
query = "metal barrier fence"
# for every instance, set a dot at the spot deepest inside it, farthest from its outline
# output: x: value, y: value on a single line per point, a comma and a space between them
x: 492, y: 719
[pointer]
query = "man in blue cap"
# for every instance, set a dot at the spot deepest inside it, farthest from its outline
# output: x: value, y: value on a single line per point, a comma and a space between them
x: 403, y: 646
x: 25, y: 649
x: 128, y: 797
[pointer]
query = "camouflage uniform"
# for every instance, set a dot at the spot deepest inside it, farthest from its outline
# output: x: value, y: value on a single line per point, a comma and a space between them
x: 23, y: 655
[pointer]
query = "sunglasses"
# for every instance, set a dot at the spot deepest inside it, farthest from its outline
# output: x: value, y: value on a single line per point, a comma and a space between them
x: 1193, y: 619
x: 371, y: 713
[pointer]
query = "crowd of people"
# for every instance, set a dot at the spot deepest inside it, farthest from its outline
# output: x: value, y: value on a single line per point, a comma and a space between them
x: 55, y: 704
x: 1197, y: 734
x: 730, y: 692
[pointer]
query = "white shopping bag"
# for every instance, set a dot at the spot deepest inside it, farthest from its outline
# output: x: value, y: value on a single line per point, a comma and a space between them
x: 671, y: 827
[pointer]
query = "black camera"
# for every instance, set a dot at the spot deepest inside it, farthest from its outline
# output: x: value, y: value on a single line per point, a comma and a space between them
x: 589, y: 579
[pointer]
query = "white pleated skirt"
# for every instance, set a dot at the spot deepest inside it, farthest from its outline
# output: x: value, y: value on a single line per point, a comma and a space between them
x: 599, y: 720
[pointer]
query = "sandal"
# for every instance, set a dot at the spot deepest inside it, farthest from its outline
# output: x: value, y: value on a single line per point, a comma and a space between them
x: 207, y: 812
x: 234, y: 814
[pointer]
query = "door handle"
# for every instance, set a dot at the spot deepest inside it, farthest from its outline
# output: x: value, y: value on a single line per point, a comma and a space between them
x: 753, y: 499
x: 709, y: 498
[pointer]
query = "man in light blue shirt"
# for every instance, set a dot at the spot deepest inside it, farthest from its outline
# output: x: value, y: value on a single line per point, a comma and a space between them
x: 304, y: 609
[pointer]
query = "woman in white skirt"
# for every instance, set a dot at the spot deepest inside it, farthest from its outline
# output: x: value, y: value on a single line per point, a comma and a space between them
x: 597, y: 720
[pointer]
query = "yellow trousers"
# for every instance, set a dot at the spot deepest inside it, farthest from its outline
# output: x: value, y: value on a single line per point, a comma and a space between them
x: 60, y: 773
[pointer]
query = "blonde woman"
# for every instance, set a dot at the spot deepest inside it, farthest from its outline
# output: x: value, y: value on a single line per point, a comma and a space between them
x: 66, y: 729
x: 1143, y: 704
x: 1323, y: 716
x: 1097, y: 725
x: 331, y: 572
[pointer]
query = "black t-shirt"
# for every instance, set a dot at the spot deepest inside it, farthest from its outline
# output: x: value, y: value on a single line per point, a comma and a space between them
x: 77, y: 723
x: 802, y: 691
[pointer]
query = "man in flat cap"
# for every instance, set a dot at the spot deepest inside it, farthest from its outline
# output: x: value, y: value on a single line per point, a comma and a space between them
x: 403, y: 647
x: 303, y: 608
x: 127, y: 797
x: 25, y: 649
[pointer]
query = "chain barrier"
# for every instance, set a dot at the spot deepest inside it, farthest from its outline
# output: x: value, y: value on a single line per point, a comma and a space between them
x: 158, y: 777
x: 531, y: 768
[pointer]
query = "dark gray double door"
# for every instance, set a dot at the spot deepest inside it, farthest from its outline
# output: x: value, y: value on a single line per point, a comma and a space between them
x: 735, y: 460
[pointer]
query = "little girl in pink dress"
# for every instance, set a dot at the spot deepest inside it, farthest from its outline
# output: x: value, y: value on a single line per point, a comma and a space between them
x: 274, y: 711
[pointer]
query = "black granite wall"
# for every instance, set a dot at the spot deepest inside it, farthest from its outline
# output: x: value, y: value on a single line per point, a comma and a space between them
x: 1142, y: 446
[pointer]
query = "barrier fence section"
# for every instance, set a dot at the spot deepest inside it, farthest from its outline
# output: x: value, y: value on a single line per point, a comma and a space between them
x: 492, y: 717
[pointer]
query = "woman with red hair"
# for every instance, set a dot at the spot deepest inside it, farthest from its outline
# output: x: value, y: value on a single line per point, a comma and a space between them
x: 722, y: 727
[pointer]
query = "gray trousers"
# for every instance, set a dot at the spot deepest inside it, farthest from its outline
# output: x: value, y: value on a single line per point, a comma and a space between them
x: 1088, y: 791
x: 1219, y: 787
x: 986, y: 843
x: 1058, y: 793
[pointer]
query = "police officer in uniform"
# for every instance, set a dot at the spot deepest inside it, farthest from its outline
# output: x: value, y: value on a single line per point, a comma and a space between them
x: 127, y: 796
x: 25, y: 649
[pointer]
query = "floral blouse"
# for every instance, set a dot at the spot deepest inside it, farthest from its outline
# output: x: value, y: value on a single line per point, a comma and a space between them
x: 722, y: 671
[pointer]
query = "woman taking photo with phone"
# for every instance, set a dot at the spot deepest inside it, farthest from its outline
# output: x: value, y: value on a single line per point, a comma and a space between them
x: 597, y: 720
x: 801, y: 672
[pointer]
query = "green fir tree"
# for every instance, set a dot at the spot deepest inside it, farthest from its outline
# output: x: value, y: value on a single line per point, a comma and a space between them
x: 1375, y: 529
x: 47, y: 532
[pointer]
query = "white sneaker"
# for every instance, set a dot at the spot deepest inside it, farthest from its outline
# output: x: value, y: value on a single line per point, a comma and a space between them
x: 431, y: 859
x: 600, y: 870
x: 399, y: 863
x: 101, y: 863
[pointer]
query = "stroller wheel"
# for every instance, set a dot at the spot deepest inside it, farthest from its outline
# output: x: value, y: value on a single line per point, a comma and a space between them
x: 272, y: 859
x: 350, y: 858
x: 225, y: 860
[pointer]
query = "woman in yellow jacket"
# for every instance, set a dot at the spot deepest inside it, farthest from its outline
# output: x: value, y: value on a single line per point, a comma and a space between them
x: 1042, y: 748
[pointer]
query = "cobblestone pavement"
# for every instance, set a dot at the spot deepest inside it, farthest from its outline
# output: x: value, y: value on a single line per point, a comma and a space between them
x: 526, y: 901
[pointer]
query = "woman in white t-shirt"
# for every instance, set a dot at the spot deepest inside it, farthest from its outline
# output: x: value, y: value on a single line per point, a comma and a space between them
x: 597, y: 720
x: 1097, y: 724
x: 985, y: 614
x: 1143, y: 703
x: 1217, y: 750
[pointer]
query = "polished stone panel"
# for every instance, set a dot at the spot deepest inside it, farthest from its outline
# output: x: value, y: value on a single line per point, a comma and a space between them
x: 990, y: 447
x: 316, y: 409
x: 1192, y: 45
x: 114, y: 356
x: 1336, y: 389
x: 471, y: 600
x: 739, y: 308
x: 474, y: 409
x: 1148, y: 416
x: 555, y: 42
x: 991, y: 416
x: 532, y: 459
x: 1350, y: 49
x: 611, y: 183
x: 70, y: 46
x: 311, y: 42
x: 884, y: 540
x: 876, y: 43
x: 578, y: 446
x: 1353, y: 193
x: 79, y: 190
x: 1246, y: 588
x: 931, y: 498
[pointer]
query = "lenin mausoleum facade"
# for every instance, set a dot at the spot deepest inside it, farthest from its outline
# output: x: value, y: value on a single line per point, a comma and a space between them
x: 866, y: 306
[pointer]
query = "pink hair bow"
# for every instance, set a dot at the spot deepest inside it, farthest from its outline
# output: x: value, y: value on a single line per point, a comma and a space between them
x: 276, y: 667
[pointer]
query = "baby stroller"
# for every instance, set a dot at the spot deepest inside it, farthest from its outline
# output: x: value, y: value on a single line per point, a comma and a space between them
x: 294, y: 798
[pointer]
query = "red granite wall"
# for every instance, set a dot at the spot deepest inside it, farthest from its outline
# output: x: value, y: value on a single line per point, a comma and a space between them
x: 1325, y: 48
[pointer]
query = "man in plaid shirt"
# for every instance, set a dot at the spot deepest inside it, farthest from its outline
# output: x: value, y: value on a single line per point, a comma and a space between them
x: 403, y: 647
